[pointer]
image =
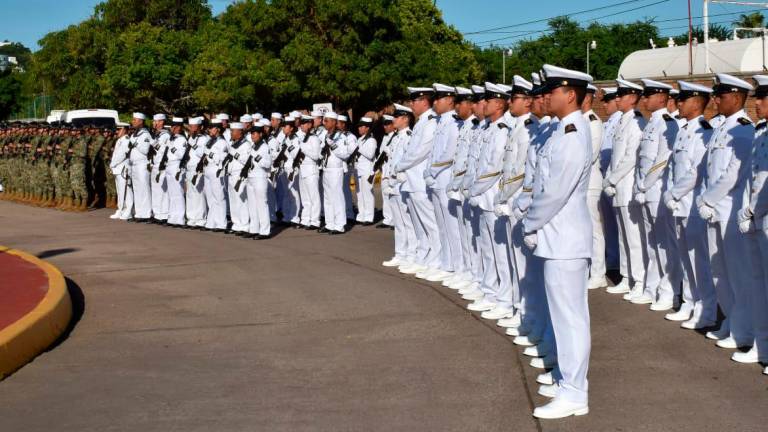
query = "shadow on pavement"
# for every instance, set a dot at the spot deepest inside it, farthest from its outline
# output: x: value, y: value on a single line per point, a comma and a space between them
x: 78, y: 308
x: 53, y: 252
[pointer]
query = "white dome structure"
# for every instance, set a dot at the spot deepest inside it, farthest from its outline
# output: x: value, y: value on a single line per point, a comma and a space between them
x: 741, y: 55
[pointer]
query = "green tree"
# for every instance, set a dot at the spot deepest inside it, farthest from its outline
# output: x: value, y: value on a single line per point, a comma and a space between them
x: 15, y: 49
x: 10, y: 93
x: 716, y: 31
x: 753, y: 20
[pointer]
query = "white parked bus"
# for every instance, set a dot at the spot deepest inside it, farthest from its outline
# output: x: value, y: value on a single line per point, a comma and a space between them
x: 95, y: 117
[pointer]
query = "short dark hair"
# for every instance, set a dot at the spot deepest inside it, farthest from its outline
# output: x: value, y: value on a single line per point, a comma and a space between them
x: 581, y: 93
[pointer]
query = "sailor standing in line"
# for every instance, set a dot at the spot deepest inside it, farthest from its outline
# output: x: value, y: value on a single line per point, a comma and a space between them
x: 559, y: 229
x: 174, y: 177
x: 159, y: 185
x: 258, y: 164
x: 366, y: 147
x: 597, y: 277
x: 119, y: 164
x: 308, y: 157
x: 214, y: 186
x: 140, y: 142
x: 195, y: 203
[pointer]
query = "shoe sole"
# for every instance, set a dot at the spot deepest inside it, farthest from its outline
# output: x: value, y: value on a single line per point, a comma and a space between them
x: 579, y: 412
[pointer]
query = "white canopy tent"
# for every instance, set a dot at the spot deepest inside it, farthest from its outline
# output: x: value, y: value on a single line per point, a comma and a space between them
x: 742, y: 55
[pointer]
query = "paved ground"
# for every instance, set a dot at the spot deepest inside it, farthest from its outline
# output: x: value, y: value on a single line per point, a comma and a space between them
x: 196, y: 331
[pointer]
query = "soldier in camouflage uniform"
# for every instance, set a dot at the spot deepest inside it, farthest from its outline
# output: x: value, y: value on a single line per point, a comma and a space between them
x: 78, y: 177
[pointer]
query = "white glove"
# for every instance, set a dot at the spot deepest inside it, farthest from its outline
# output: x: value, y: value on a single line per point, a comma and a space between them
x: 746, y: 226
x: 517, y: 213
x: 388, y: 191
x: 640, y: 197
x: 745, y: 214
x: 465, y: 192
x: 473, y: 201
x: 455, y: 195
x: 606, y: 183
x: 706, y: 212
x: 672, y: 204
x: 610, y: 191
x: 430, y: 181
x: 531, y: 240
x: 502, y: 210
x: 401, y: 177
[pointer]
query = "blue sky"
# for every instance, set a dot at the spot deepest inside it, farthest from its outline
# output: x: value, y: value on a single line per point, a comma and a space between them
x: 27, y: 21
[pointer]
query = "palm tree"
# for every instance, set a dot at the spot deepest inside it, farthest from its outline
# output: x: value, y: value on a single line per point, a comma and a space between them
x: 753, y: 20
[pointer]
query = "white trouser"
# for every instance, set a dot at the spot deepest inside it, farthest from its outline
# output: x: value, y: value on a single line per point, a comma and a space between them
x: 196, y: 204
x: 523, y: 279
x: 176, y: 204
x: 333, y: 199
x: 310, y: 200
x: 734, y: 277
x: 448, y: 231
x: 473, y: 223
x: 760, y: 302
x: 611, y: 233
x: 464, y: 233
x: 159, y: 195
x: 238, y: 205
x: 272, y: 201
x: 258, y: 205
x: 214, y: 197
x: 349, y: 211
x: 423, y: 218
x: 630, y: 244
x: 698, y: 295
x: 142, y: 198
x: 674, y: 274
x: 289, y: 198
x: 566, y: 286
x: 652, y: 234
x: 365, y: 205
x: 124, y: 197
x: 497, y: 281
x: 386, y: 207
x: 597, y: 268
x: 400, y: 204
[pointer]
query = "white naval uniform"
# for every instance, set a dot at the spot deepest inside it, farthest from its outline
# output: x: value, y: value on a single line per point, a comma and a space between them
x: 351, y: 143
x: 257, y: 189
x: 197, y: 208
x: 386, y: 204
x: 561, y: 222
x: 510, y: 187
x: 275, y: 143
x: 494, y: 250
x: 406, y: 245
x: 142, y: 198
x: 334, y: 203
x: 758, y: 236
x: 626, y: 141
x: 309, y: 175
x: 119, y: 164
x: 412, y: 165
x: 472, y: 211
x: 158, y: 181
x: 177, y: 145
x: 685, y: 180
x: 594, y: 194
x: 215, y: 152
x: 728, y: 169
x: 463, y: 211
x: 437, y: 176
x: 366, y: 147
x: 238, y: 151
x: 609, y: 213
x: 290, y: 200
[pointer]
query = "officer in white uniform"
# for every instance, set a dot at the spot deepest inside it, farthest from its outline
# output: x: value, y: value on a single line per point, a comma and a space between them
x: 698, y: 305
x: 753, y: 219
x: 258, y: 166
x: 177, y: 147
x: 289, y: 197
x: 158, y: 182
x: 334, y: 156
x: 663, y: 269
x: 406, y: 245
x: 525, y: 127
x: 119, y: 164
x: 496, y: 285
x: 197, y: 207
x: 237, y: 155
x: 351, y: 144
x: 366, y: 147
x: 438, y: 175
x: 597, y: 277
x: 728, y: 169
x: 140, y: 141
x: 610, y: 223
x: 308, y: 158
x: 383, y: 151
x: 214, y: 187
x: 559, y: 229
x: 410, y: 171
x: 462, y: 275
x: 619, y: 183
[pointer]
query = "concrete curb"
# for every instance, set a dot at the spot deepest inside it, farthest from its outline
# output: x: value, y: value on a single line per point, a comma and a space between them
x: 37, y: 330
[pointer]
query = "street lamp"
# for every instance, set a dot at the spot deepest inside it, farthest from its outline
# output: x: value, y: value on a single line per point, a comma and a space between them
x: 504, y: 54
x: 590, y: 46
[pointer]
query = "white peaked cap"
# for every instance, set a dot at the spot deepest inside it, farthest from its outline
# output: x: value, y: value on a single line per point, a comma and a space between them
x: 647, y: 83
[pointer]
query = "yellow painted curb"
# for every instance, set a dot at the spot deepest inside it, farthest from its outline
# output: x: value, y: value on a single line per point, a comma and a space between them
x: 37, y: 330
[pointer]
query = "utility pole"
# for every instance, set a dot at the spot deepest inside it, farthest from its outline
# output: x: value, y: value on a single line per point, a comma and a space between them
x: 690, y: 40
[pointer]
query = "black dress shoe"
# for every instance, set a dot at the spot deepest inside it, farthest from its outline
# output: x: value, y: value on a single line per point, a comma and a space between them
x: 323, y: 230
x: 260, y: 237
x: 367, y: 223
x: 382, y: 226
x: 335, y: 232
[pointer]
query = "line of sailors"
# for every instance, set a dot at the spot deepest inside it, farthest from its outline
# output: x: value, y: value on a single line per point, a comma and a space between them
x: 240, y: 177
x: 501, y: 193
